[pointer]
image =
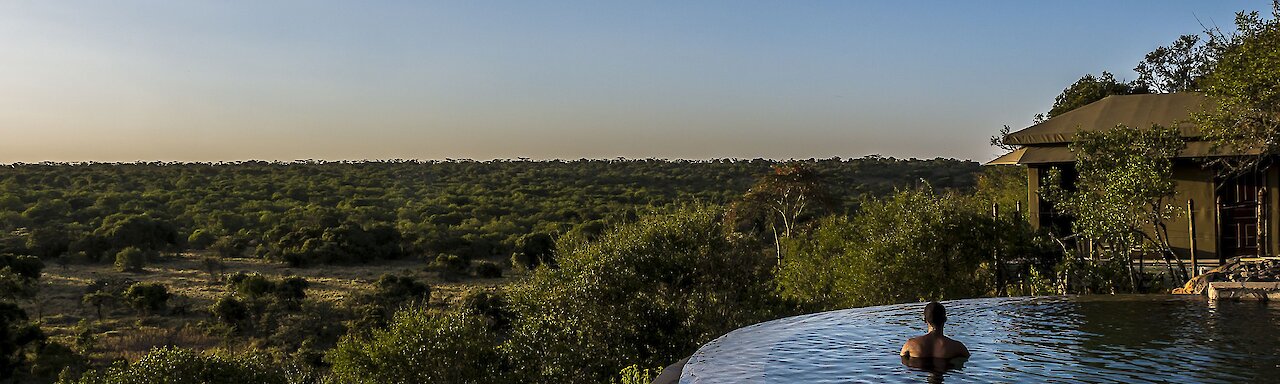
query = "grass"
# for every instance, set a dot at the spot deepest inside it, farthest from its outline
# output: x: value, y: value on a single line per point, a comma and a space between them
x: 124, y: 333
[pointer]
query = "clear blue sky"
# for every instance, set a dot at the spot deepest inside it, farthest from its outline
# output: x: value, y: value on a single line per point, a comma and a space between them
x: 284, y: 80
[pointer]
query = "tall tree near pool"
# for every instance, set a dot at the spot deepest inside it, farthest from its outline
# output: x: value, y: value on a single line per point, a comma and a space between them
x: 789, y: 194
x: 1245, y: 83
x: 1125, y: 185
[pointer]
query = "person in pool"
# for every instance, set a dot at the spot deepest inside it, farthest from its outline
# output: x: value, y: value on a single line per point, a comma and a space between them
x: 934, y: 350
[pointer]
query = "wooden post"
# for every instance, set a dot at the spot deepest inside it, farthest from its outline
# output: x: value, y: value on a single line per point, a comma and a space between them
x: 1191, y: 226
x: 1217, y: 229
x: 1262, y: 222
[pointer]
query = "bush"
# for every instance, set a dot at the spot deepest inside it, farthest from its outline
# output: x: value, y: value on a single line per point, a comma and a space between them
x: 231, y: 311
x: 450, y: 266
x: 176, y: 365
x: 201, y: 239
x: 488, y: 270
x: 420, y: 346
x: 130, y: 259
x: 28, y: 267
x: 289, y: 290
x: 913, y: 246
x: 645, y: 293
x: 490, y: 304
x: 147, y: 297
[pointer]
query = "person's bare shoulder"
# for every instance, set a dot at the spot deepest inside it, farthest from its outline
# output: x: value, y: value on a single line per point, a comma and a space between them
x: 912, y: 345
x: 959, y: 349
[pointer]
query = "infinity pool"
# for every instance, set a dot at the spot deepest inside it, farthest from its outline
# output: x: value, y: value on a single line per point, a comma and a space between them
x: 1093, y: 339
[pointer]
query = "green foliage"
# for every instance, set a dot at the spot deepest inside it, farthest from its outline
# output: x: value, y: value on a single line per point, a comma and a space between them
x: 287, y: 290
x: 789, y: 195
x: 201, y: 239
x: 17, y: 337
x: 1245, y: 86
x: 182, y: 366
x: 1177, y: 67
x: 1121, y: 198
x: 147, y: 297
x: 644, y: 293
x: 534, y: 249
x: 914, y: 246
x: 390, y: 293
x: 130, y: 259
x: 421, y: 346
x: 449, y: 266
x: 351, y: 212
x: 634, y: 375
x: 137, y: 231
x: 488, y: 270
x: 231, y: 311
x: 1087, y: 90
x: 490, y: 304
x: 99, y: 299
x: 27, y: 267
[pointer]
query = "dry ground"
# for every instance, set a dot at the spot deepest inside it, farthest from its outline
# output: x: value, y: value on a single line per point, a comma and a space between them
x: 126, y: 333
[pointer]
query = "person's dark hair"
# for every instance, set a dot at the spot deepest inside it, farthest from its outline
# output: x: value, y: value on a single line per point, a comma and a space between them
x: 935, y: 314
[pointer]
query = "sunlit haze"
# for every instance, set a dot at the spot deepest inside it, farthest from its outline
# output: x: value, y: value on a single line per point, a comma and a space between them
x: 278, y: 80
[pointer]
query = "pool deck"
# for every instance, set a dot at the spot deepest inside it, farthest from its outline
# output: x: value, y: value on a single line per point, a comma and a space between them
x: 1231, y: 290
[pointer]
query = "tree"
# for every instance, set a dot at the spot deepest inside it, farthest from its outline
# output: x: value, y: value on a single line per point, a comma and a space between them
x: 201, y: 239
x: 791, y: 193
x: 1245, y: 88
x: 1087, y: 90
x: 17, y: 335
x: 648, y: 293
x: 177, y: 365
x: 534, y: 249
x: 231, y: 311
x: 1122, y: 195
x: 141, y: 231
x: 130, y: 259
x: 147, y: 297
x: 916, y: 245
x: 99, y: 299
x: 421, y: 346
x: 1177, y: 67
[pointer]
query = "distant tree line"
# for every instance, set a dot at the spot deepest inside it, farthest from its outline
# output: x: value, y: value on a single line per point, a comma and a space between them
x: 305, y: 213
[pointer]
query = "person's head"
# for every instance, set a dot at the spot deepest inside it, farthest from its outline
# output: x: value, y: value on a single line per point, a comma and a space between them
x: 935, y: 315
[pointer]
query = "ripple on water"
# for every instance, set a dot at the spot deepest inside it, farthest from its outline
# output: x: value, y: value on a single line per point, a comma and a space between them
x: 1096, y: 339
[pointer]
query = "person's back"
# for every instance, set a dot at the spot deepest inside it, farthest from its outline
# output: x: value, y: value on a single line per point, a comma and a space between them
x: 934, y: 345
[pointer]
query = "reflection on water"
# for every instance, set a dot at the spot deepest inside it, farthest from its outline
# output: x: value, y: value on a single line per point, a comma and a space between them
x: 1096, y: 339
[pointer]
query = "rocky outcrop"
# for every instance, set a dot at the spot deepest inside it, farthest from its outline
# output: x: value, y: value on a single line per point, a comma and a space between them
x: 1235, y: 270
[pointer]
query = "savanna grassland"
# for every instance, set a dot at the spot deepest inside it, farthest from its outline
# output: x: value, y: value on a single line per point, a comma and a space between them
x: 284, y: 261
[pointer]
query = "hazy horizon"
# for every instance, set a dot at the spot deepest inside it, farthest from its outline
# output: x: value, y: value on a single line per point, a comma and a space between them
x: 208, y: 81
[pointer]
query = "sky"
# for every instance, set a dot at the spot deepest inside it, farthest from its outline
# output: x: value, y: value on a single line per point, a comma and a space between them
x: 165, y: 80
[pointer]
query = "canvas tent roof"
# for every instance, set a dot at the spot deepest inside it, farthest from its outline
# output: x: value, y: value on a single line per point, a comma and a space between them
x: 1061, y: 154
x: 1169, y: 110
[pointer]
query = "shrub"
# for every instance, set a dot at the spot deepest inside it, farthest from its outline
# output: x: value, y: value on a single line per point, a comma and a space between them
x: 915, y: 245
x: 201, y: 239
x: 450, y: 266
x: 147, y: 297
x: 130, y: 259
x: 420, y: 346
x: 644, y: 293
x: 176, y: 365
x: 28, y: 267
x: 290, y: 290
x: 488, y: 270
x: 490, y: 304
x: 230, y: 311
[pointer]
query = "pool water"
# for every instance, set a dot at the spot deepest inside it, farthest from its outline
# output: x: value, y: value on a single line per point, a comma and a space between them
x: 1092, y: 339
